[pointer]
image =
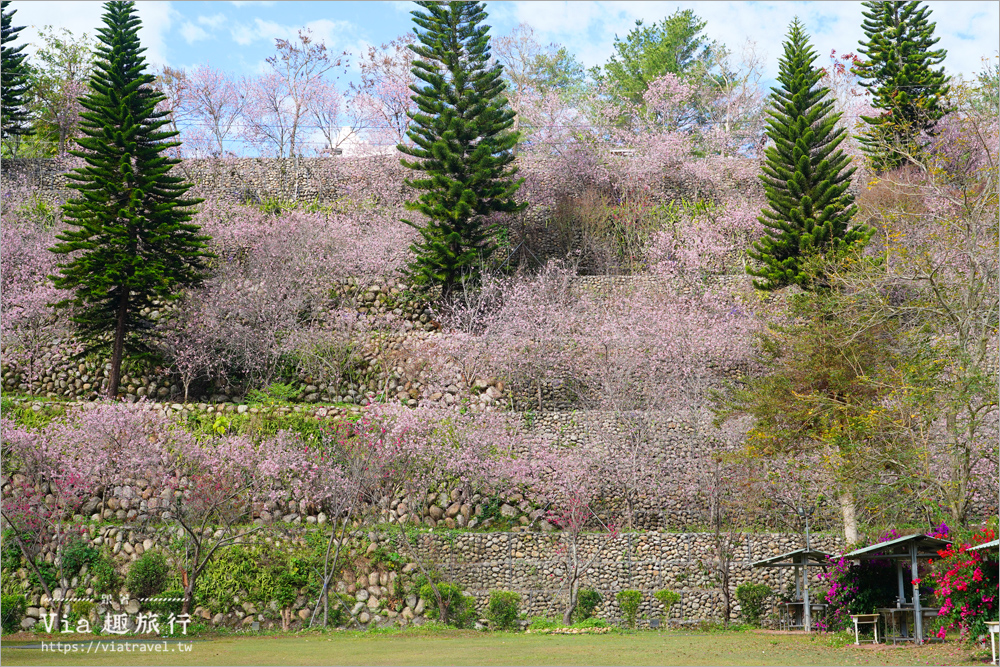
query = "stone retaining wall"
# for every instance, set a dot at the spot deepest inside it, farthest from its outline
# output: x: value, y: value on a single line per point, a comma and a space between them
x: 532, y: 565
x: 237, y: 179
x: 450, y: 507
x: 312, y: 179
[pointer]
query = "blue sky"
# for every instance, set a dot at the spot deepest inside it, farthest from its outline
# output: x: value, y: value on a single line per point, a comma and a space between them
x: 238, y: 36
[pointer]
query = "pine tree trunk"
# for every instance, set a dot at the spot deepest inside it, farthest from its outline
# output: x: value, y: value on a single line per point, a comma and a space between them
x: 114, y: 377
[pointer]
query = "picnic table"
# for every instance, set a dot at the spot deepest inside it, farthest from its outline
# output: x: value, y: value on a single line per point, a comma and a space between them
x: 994, y: 629
x: 865, y: 619
x: 900, y: 620
x: 792, y: 616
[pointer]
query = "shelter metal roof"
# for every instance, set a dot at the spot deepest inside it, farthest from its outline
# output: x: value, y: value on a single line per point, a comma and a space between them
x: 793, y: 558
x: 893, y: 548
x: 988, y: 545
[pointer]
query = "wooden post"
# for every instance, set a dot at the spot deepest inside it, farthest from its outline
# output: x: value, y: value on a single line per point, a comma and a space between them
x: 806, y: 611
x: 918, y: 621
x: 899, y: 577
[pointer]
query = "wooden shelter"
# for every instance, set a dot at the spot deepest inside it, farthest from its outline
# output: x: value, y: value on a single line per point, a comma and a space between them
x: 907, y: 548
x: 799, y: 559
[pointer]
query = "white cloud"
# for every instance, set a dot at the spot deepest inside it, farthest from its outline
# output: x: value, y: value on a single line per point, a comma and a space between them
x: 192, y: 33
x: 85, y: 17
x: 78, y: 17
x: 968, y: 30
x: 157, y: 18
x: 260, y: 30
x: 213, y: 21
x: 334, y: 34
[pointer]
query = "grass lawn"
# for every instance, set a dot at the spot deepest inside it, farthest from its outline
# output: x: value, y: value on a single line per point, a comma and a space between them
x: 457, y: 647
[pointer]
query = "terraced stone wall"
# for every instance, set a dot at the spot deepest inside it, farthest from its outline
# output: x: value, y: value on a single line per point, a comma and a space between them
x: 532, y: 565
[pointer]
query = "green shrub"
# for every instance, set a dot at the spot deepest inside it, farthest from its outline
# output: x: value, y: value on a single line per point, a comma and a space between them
x: 668, y: 599
x: 78, y: 610
x: 591, y: 623
x: 13, y: 612
x: 503, y: 610
x: 49, y: 572
x: 339, y: 615
x: 382, y: 558
x: 76, y: 554
x: 289, y: 580
x: 256, y: 426
x: 148, y: 575
x: 23, y: 415
x: 629, y: 602
x: 587, y: 601
x: 459, y: 607
x: 752, y: 597
x: 10, y: 552
x: 82, y: 608
x: 106, y: 580
x: 167, y: 602
x: 266, y: 572
x: 274, y: 393
x: 543, y: 623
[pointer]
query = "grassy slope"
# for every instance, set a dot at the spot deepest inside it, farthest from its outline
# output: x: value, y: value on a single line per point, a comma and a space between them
x: 466, y: 648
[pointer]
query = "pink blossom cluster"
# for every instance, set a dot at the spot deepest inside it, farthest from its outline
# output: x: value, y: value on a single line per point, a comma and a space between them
x: 967, y: 586
x: 29, y: 323
x: 268, y: 294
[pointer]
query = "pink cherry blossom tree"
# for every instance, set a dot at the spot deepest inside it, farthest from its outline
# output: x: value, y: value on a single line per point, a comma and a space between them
x: 216, y: 102
x: 423, y: 446
x: 98, y: 446
x: 339, y: 120
x: 40, y: 509
x: 735, y: 104
x: 175, y: 86
x: 383, y: 97
x: 29, y: 324
x: 279, y: 101
x: 572, y: 480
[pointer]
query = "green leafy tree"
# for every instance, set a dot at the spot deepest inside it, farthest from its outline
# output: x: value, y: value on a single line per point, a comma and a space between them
x: 63, y: 64
x: 13, y: 80
x: 532, y: 72
x: 462, y: 141
x: 675, y: 45
x: 805, y: 174
x: 986, y: 94
x: 818, y: 395
x: 899, y: 72
x: 131, y: 240
x: 558, y: 70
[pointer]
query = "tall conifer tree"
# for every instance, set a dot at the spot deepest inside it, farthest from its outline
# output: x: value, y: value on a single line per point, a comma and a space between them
x: 806, y: 175
x: 900, y: 76
x: 462, y: 141
x: 132, y: 241
x: 13, y: 79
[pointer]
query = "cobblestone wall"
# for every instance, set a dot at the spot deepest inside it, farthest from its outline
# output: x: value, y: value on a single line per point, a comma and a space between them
x: 319, y: 179
x: 534, y: 566
x: 480, y: 562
